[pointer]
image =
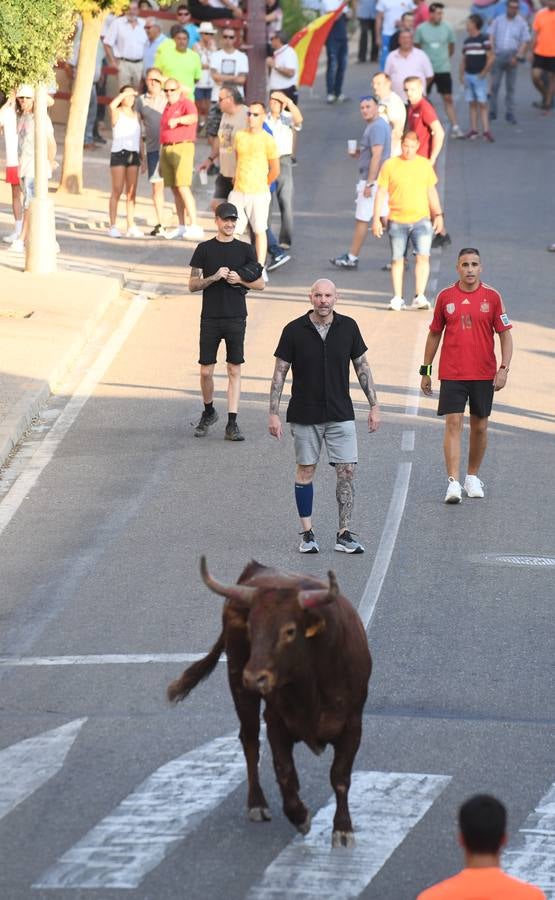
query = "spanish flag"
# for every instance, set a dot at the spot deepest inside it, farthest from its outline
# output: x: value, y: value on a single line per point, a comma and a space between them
x: 308, y: 43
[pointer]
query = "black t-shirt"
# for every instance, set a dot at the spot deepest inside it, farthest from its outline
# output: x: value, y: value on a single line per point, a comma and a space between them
x: 222, y: 300
x: 475, y: 51
x: 320, y: 389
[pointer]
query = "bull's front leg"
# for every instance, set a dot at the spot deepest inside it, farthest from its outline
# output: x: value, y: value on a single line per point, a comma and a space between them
x: 247, y: 706
x: 345, y: 748
x: 282, y: 743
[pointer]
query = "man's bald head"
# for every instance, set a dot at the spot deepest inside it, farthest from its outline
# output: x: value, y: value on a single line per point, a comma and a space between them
x: 323, y: 284
x: 323, y: 295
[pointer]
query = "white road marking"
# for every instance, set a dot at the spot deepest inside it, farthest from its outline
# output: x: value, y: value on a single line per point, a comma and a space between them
x: 407, y: 440
x: 371, y: 592
x: 131, y: 841
x: 534, y: 860
x: 107, y: 659
x: 47, y: 447
x: 29, y: 764
x: 384, y: 806
x: 542, y: 561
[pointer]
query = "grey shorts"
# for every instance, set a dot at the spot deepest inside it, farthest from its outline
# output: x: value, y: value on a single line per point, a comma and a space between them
x: 340, y: 439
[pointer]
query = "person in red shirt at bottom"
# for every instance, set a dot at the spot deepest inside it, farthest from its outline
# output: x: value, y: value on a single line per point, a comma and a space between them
x: 468, y: 314
x: 482, y: 835
x: 422, y: 119
x: 178, y: 132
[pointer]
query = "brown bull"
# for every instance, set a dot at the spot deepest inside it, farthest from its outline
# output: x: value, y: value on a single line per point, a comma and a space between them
x: 298, y: 643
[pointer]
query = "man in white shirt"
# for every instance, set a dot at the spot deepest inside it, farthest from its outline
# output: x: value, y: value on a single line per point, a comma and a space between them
x: 125, y: 45
x: 284, y: 67
x: 388, y: 15
x: 227, y: 66
x: 408, y: 62
x: 284, y: 119
x: 154, y: 39
x: 392, y: 109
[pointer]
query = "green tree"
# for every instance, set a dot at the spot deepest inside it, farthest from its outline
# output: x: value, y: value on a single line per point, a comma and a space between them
x: 33, y: 35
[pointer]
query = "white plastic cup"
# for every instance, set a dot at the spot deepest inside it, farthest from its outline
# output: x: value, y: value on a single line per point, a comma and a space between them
x: 352, y: 147
x: 203, y: 175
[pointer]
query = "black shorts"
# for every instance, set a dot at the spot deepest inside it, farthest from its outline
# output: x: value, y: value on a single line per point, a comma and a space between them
x: 453, y: 396
x: 125, y: 158
x: 213, y: 120
x: 222, y: 187
x: 547, y: 63
x: 232, y: 331
x: 443, y: 83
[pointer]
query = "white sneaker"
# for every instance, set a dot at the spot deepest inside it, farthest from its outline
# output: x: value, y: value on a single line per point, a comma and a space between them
x: 10, y: 238
x: 265, y: 275
x: 473, y: 486
x: 454, y: 491
x: 194, y: 233
x: 114, y: 232
x: 420, y: 302
x: 397, y: 303
x: 17, y: 246
x: 174, y: 233
x: 456, y: 132
x: 134, y: 232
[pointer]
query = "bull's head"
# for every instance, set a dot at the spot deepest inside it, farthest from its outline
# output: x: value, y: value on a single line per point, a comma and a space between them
x: 279, y: 621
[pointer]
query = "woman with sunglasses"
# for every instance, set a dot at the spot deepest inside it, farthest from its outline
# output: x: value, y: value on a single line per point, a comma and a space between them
x: 125, y: 159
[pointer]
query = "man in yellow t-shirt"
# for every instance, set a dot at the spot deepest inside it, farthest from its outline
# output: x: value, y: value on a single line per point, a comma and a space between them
x: 175, y: 60
x: 257, y: 166
x: 482, y: 823
x: 410, y: 182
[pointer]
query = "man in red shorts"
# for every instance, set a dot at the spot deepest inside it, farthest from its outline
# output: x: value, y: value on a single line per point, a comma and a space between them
x: 468, y: 314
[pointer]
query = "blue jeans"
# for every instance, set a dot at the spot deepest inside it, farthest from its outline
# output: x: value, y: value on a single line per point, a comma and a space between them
x: 419, y: 233
x: 502, y: 66
x: 384, y: 50
x: 273, y: 247
x: 336, y: 48
x: 91, y: 116
x: 284, y: 197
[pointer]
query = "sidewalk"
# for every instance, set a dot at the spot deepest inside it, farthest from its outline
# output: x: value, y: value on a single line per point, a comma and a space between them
x: 44, y: 323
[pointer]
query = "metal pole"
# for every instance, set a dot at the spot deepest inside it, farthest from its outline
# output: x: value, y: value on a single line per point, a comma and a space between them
x: 41, y: 251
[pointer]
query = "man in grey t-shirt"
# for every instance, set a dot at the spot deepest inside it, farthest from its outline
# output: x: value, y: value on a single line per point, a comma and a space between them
x: 150, y: 107
x: 374, y: 149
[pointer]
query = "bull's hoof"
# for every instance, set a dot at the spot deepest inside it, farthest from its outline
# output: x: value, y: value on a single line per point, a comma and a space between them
x: 343, y: 839
x: 304, y: 827
x: 260, y: 814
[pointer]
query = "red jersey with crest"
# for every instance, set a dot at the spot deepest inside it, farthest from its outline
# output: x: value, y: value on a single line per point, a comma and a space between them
x: 469, y: 321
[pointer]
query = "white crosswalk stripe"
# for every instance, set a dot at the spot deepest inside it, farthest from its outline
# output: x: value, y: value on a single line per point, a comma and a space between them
x: 141, y: 831
x: 29, y: 764
x: 533, y: 859
x: 384, y: 806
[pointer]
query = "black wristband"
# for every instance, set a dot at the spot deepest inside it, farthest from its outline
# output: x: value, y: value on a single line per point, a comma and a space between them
x: 426, y: 370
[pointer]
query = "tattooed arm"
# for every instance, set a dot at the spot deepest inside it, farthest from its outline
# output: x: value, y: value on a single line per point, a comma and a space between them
x: 366, y: 382
x: 198, y: 283
x: 280, y: 374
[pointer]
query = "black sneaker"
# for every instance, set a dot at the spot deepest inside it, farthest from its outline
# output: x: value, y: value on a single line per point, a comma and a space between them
x: 204, y: 423
x: 278, y: 260
x: 98, y: 139
x: 157, y: 231
x: 308, y: 543
x: 233, y: 433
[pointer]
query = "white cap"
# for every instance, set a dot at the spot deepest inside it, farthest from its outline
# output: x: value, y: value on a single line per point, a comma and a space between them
x: 207, y: 28
x: 25, y: 90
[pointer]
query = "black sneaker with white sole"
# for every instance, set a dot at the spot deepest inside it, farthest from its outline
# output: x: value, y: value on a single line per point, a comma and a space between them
x: 347, y: 543
x: 308, y: 543
x: 204, y: 423
x: 278, y: 260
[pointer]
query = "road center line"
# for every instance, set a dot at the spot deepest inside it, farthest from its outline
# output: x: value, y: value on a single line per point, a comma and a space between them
x: 48, y: 446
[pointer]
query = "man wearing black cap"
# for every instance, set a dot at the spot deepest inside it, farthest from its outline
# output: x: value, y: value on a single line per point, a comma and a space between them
x: 224, y: 269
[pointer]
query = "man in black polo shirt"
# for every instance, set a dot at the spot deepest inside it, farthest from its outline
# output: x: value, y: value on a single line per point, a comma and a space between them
x: 318, y: 348
x: 224, y: 269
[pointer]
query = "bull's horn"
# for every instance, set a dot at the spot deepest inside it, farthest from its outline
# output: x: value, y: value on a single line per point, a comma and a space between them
x: 238, y: 592
x: 320, y: 597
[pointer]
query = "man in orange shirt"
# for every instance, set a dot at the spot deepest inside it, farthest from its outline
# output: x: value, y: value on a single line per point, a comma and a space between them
x: 543, y: 48
x: 482, y: 823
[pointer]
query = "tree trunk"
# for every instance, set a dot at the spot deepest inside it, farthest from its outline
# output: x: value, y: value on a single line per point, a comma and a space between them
x: 71, y: 180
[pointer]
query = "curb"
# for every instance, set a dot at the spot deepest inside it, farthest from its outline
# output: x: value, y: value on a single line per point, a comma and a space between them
x: 35, y: 399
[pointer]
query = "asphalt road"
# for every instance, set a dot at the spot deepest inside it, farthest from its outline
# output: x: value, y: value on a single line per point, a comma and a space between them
x: 109, y: 504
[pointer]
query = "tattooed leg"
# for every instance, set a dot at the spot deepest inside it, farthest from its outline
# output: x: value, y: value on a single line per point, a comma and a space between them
x: 345, y: 493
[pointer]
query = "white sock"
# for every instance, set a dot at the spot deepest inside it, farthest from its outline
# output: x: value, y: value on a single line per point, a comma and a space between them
x: 18, y: 226
x: 351, y: 257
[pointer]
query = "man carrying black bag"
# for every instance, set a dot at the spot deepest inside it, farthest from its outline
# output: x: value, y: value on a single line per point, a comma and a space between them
x: 224, y: 269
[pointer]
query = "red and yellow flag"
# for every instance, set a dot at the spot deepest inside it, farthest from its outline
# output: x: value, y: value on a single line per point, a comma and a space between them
x: 308, y: 43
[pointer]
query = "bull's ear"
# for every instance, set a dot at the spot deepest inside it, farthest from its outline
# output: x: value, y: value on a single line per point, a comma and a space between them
x: 320, y: 597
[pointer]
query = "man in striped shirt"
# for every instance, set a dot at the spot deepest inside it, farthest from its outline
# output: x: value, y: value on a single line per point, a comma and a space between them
x: 509, y: 36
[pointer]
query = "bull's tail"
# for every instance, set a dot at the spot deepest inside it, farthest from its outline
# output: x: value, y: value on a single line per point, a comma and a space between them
x: 181, y: 687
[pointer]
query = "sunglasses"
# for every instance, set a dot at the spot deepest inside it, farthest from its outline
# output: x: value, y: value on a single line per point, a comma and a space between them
x: 228, y: 37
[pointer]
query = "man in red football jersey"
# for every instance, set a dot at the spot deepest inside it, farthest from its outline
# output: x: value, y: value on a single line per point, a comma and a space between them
x: 468, y: 314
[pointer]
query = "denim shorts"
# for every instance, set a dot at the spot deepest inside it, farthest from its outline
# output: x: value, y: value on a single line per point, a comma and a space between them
x: 152, y: 165
x: 475, y: 88
x: 419, y: 233
x: 28, y: 189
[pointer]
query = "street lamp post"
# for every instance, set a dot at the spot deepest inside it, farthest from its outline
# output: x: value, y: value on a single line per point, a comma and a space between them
x: 41, y: 242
